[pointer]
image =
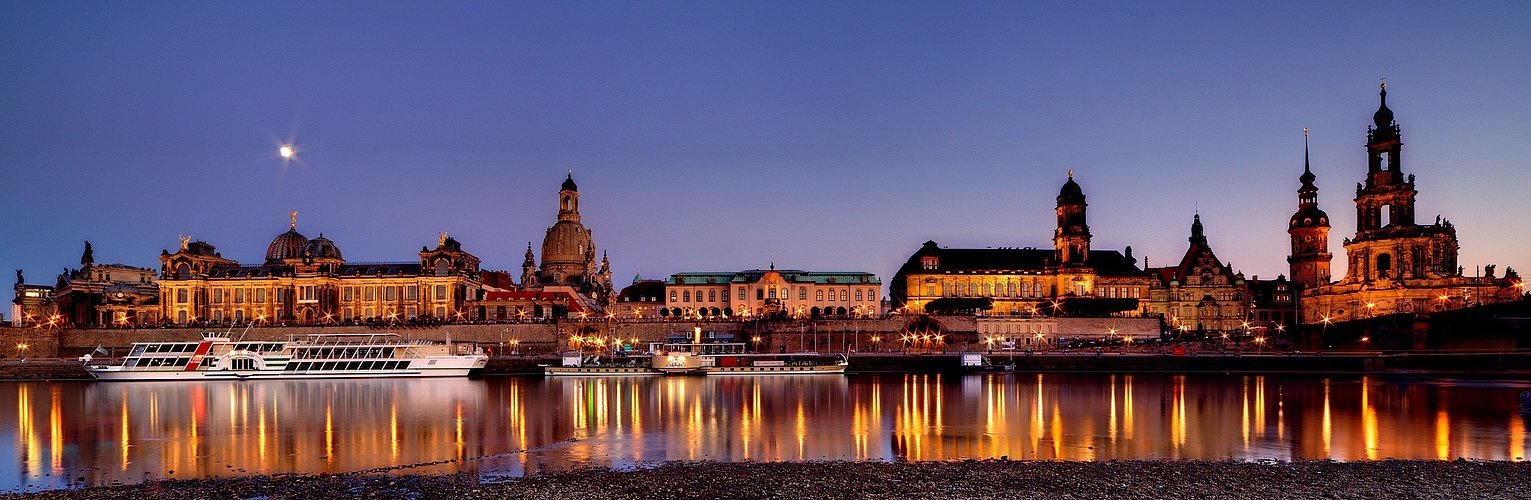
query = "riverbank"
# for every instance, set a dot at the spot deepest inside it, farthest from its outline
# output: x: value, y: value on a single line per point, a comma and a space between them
x: 1499, y: 364
x: 964, y: 479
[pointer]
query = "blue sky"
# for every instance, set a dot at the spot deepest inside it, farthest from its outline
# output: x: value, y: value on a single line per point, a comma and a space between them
x: 730, y: 135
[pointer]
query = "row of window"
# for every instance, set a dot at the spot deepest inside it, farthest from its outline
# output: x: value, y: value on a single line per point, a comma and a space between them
x: 348, y: 294
x: 155, y: 362
x: 772, y: 293
x: 155, y: 348
x: 1025, y: 290
x: 303, y: 366
x: 343, y: 352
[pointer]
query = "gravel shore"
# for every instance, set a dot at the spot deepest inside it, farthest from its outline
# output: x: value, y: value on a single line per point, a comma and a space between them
x: 925, y: 480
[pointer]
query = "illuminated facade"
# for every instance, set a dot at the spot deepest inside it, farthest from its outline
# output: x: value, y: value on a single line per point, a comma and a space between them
x: 642, y: 299
x: 762, y: 292
x: 1395, y: 265
x: 568, y: 257
x: 307, y: 281
x: 1201, y: 293
x: 93, y: 295
x: 1020, y: 280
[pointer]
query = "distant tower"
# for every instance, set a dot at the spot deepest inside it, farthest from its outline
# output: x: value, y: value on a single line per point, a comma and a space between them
x: 1071, y: 242
x: 1388, y: 197
x: 529, y: 268
x: 1309, y: 229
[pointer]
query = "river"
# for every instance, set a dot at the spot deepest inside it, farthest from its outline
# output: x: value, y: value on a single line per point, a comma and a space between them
x: 66, y: 434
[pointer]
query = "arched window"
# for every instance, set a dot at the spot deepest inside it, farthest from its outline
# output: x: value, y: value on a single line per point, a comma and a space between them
x: 802, y: 293
x: 845, y: 296
x: 442, y: 267
x: 182, y: 271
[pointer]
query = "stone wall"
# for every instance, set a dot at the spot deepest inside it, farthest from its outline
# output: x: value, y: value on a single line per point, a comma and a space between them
x: 27, y: 343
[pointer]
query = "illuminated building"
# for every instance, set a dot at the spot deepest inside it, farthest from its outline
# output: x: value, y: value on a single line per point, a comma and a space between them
x: 1201, y: 293
x: 1395, y: 265
x: 642, y: 299
x: 93, y: 295
x: 1023, y: 280
x: 763, y: 292
x: 568, y: 258
x: 305, y: 281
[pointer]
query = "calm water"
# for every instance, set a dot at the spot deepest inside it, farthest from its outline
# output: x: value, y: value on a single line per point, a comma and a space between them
x: 60, y: 434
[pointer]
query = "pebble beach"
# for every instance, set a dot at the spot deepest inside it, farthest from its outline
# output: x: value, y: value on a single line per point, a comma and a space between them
x: 925, y: 480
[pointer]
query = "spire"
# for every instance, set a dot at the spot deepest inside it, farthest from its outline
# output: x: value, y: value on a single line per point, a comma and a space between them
x: 1196, y: 231
x: 1307, y: 176
x: 1384, y: 116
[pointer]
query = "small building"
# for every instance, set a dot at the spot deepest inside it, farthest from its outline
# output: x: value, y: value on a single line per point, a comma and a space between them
x: 642, y: 299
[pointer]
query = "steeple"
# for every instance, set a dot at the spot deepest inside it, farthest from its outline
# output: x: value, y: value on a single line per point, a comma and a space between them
x: 1307, y: 194
x: 1384, y: 116
x: 1071, y: 241
x: 1197, y: 236
x: 568, y: 199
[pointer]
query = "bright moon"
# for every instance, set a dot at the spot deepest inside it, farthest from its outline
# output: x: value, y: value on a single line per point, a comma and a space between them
x: 286, y: 151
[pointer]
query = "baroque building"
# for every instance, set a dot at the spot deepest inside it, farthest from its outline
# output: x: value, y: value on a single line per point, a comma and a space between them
x: 1201, y: 293
x: 308, y: 281
x: 1024, y: 280
x: 569, y: 262
x: 771, y: 291
x: 93, y: 295
x: 1394, y: 264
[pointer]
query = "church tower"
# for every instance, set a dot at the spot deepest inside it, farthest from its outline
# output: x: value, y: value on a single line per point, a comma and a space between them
x: 1071, y: 242
x: 1309, y: 229
x: 1387, y: 197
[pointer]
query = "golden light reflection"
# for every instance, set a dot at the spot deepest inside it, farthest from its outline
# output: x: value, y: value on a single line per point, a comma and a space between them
x: 26, y: 429
x: 1127, y: 408
x: 393, y: 431
x: 329, y: 432
x: 1328, y: 428
x: 1368, y: 419
x: 122, y: 444
x: 55, y: 430
x: 1517, y: 438
x: 1442, y: 434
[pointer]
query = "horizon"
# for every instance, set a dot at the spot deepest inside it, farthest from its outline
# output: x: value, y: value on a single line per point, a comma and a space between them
x: 727, y: 137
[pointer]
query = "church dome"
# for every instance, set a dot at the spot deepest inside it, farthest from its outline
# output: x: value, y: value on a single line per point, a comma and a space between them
x: 321, y: 248
x: 287, y: 245
x: 566, y: 242
x: 1071, y: 190
x: 568, y: 184
x: 1309, y: 217
x: 1384, y: 116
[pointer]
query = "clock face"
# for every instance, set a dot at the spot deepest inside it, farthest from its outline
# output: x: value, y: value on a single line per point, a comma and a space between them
x: 121, y: 295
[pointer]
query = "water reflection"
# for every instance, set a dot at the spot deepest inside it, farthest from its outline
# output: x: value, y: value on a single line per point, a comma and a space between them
x: 66, y: 434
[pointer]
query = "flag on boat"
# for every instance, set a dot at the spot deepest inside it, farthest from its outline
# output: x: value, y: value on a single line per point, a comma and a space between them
x: 99, y: 350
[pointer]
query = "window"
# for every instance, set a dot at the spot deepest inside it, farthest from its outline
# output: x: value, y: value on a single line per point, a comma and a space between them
x: 217, y: 295
x: 773, y: 293
x: 858, y: 295
x: 802, y: 293
x: 742, y: 296
x: 819, y: 296
x: 712, y: 295
x: 686, y: 296
x: 239, y: 296
x: 308, y: 293
x: 390, y: 293
x: 760, y: 294
x: 412, y: 292
x: 180, y: 298
x: 441, y: 292
x: 260, y: 295
x: 348, y: 295
x: 845, y: 295
x: 369, y: 294
x: 239, y: 316
x: 672, y: 296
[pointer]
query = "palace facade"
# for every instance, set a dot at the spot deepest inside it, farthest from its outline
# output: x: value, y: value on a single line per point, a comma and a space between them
x: 1395, y: 264
x: 1023, y: 280
x: 308, y: 281
x: 1201, y: 293
x: 771, y: 291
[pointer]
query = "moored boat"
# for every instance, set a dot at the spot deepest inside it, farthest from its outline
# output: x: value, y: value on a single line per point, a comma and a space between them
x: 219, y: 356
x: 736, y: 359
x: 581, y: 365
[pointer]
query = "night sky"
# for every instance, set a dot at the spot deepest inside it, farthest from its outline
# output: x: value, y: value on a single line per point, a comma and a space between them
x: 713, y: 136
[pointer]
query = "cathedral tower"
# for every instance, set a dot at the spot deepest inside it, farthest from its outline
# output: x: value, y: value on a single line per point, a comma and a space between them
x: 1387, y: 197
x: 1071, y: 242
x: 1309, y: 229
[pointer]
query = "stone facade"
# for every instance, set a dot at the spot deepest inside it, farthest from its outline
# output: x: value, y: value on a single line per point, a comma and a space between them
x: 1201, y: 293
x: 1020, y: 281
x: 761, y: 292
x: 306, y: 281
x: 1396, y: 265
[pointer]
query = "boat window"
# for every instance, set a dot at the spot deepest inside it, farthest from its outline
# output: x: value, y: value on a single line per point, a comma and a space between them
x: 131, y: 363
x: 138, y: 350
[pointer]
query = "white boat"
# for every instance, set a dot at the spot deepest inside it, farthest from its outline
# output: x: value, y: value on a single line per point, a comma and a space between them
x: 362, y: 355
x: 735, y: 359
x: 577, y: 364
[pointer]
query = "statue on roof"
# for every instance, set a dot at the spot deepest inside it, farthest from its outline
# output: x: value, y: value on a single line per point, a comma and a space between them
x: 186, y: 240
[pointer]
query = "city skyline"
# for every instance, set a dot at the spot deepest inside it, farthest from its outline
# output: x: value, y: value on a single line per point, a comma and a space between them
x: 704, y: 148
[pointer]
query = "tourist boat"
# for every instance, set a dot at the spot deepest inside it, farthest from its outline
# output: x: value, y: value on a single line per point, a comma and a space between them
x: 579, y: 364
x: 361, y: 355
x: 734, y: 359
